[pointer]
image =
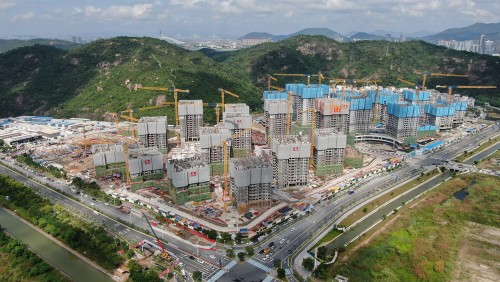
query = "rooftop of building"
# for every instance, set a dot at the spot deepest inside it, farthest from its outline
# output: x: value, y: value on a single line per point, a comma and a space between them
x: 188, y: 163
x: 153, y: 119
x: 190, y: 102
x: 325, y: 131
x: 250, y: 162
x: 293, y: 139
x: 138, y: 152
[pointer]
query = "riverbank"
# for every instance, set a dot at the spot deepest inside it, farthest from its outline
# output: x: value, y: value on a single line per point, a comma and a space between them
x: 61, y: 244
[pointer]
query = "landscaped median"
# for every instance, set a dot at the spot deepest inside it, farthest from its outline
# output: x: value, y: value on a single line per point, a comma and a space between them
x: 368, y: 207
x: 483, y: 146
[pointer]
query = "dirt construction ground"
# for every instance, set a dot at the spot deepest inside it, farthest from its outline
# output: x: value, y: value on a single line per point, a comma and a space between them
x: 478, y: 255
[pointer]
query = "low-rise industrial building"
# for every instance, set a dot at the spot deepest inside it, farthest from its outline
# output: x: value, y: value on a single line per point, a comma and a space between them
x: 13, y: 137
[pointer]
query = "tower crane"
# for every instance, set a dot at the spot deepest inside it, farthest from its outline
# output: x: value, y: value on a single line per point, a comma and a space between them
x: 223, y: 93
x: 128, y: 114
x: 308, y: 76
x: 270, y: 79
x: 170, y: 89
x: 451, y: 87
x: 426, y: 74
x: 164, y: 253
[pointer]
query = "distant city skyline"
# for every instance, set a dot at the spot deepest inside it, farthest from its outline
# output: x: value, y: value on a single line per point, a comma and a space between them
x: 233, y: 18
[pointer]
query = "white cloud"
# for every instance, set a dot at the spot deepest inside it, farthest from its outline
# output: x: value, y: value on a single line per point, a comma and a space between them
x: 25, y: 16
x: 136, y: 12
x: 5, y: 4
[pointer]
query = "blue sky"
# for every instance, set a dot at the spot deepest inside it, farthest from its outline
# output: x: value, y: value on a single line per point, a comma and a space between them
x: 88, y: 18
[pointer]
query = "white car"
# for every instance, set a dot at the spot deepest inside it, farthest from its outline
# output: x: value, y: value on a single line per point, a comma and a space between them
x: 212, y: 256
x: 200, y: 261
x: 291, y: 230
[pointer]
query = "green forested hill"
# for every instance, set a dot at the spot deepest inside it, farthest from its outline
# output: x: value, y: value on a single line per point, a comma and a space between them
x: 96, y: 78
x: 10, y: 44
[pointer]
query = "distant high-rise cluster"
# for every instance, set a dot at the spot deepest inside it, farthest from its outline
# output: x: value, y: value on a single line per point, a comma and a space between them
x: 481, y: 46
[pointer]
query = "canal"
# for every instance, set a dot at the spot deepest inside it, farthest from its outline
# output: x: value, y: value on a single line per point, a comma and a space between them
x: 62, y: 259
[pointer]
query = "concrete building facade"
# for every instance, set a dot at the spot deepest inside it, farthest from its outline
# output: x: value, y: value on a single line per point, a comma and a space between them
x: 275, y: 112
x: 211, y: 144
x: 250, y: 182
x: 439, y: 115
x: 189, y: 180
x: 237, y: 119
x: 403, y: 121
x: 153, y: 132
x: 332, y: 113
x: 190, y: 119
x: 290, y: 158
x: 145, y: 164
x: 329, y: 151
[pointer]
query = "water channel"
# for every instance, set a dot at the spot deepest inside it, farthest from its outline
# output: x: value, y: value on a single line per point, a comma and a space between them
x: 62, y: 259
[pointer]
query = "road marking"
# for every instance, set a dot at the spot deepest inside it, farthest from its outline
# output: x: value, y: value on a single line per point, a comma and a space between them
x: 288, y: 272
x: 258, y: 265
x: 216, y: 276
x: 268, y: 279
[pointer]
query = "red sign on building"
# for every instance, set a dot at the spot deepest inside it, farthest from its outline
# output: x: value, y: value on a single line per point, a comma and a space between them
x: 295, y: 149
x: 238, y: 121
x: 193, y: 173
x: 336, y: 109
x: 147, y: 161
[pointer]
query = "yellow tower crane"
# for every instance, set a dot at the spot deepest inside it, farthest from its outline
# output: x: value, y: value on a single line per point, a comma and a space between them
x: 270, y: 79
x: 426, y: 74
x: 451, y: 87
x: 128, y: 114
x: 308, y: 76
x: 223, y: 93
x: 170, y: 89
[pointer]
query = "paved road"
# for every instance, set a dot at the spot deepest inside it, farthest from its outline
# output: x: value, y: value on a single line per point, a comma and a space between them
x: 375, y: 217
x: 483, y: 154
x: 181, y: 250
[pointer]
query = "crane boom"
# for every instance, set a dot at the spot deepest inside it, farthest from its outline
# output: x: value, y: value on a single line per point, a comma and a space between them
x: 154, y: 233
x: 451, y: 87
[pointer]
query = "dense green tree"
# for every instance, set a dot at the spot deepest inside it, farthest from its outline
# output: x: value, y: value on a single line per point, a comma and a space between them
x: 241, y: 256
x: 281, y: 273
x: 322, y: 252
x: 308, y: 263
x: 230, y: 253
x: 197, y: 275
x: 250, y: 250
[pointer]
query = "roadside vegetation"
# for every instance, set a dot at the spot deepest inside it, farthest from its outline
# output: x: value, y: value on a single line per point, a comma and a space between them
x: 18, y: 263
x: 423, y: 243
x: 485, y: 145
x: 491, y: 162
x: 369, y: 207
x: 93, y: 190
x: 27, y: 160
x: 94, y: 242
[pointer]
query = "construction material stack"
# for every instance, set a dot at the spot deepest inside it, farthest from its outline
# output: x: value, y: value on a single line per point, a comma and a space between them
x: 189, y: 180
x: 290, y: 157
x: 332, y: 113
x: 237, y: 119
x: 402, y: 122
x: 190, y: 119
x: 250, y: 184
x: 275, y: 112
x: 109, y: 160
x: 329, y: 151
x: 211, y: 143
x: 153, y: 132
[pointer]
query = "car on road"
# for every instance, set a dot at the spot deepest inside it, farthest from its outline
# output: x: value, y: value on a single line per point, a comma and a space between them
x: 212, y: 256
x: 261, y: 251
x: 282, y: 240
x: 291, y: 230
x: 191, y: 257
x: 200, y: 261
x: 266, y: 257
x: 271, y: 244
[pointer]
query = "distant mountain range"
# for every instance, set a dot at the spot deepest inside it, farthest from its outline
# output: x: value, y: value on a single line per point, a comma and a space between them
x: 9, y: 44
x: 472, y: 32
x: 308, y: 31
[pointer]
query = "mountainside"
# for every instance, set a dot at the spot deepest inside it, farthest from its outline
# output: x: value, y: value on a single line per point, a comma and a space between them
x: 10, y: 44
x: 257, y: 35
x: 472, y: 32
x: 100, y: 77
